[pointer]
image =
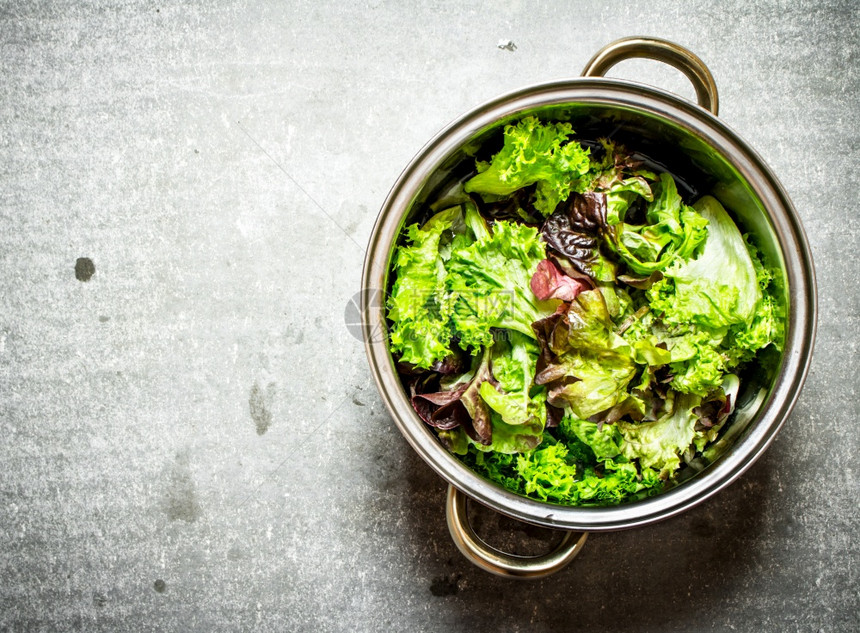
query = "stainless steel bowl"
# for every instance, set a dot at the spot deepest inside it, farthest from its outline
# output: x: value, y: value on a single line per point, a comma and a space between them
x: 692, y: 142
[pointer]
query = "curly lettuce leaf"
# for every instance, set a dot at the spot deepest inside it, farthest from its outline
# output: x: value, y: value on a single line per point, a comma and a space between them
x: 616, y: 481
x: 547, y: 474
x: 767, y: 327
x: 719, y: 288
x: 721, y: 305
x: 694, y: 357
x: 697, y: 361
x: 498, y: 467
x: 488, y: 283
x: 659, y: 444
x: 672, y: 232
x: 550, y: 473
x: 417, y: 306
x: 535, y: 153
x: 768, y: 324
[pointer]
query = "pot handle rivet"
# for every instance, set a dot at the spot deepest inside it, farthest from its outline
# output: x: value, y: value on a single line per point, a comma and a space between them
x: 492, y: 560
x: 664, y: 51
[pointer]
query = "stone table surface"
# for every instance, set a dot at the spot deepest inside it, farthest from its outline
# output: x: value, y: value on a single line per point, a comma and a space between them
x: 190, y: 439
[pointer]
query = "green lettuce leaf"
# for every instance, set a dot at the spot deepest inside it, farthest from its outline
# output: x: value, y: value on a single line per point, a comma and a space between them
x: 535, y: 153
x: 698, y: 362
x: 513, y: 365
x: 498, y: 467
x: 768, y: 324
x: 604, y: 442
x: 417, y: 306
x: 515, y: 407
x: 585, y: 365
x: 659, y: 444
x: 512, y: 438
x: 455, y: 440
x: 672, y: 232
x: 622, y: 194
x: 719, y: 288
x: 489, y: 287
x: 616, y: 482
x: 722, y: 306
x: 549, y: 473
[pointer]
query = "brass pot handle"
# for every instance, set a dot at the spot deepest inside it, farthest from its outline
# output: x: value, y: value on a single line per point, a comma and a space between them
x: 492, y: 560
x: 663, y: 51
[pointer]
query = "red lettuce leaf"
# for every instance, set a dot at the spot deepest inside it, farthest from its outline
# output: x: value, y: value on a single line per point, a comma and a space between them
x: 518, y: 207
x: 459, y: 406
x: 549, y: 282
x: 442, y: 409
x: 574, y: 232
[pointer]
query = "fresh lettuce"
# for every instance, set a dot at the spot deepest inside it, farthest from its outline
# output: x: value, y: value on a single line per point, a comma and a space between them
x: 495, y: 406
x: 672, y: 232
x: 550, y: 473
x: 604, y: 440
x: 513, y: 367
x: 512, y: 438
x: 488, y: 285
x: 547, y: 474
x: 622, y: 194
x: 719, y: 288
x: 456, y: 277
x: 535, y: 153
x: 584, y: 358
x: 659, y: 444
x: 417, y: 306
x: 767, y: 326
x: 587, y: 366
x: 720, y: 305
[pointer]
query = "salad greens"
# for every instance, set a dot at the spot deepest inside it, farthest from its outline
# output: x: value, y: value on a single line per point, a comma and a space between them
x: 573, y: 329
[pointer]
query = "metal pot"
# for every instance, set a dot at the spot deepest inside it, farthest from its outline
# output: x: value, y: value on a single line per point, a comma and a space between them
x: 693, y: 144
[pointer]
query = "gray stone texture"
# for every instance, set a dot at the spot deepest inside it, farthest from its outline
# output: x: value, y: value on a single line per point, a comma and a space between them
x: 190, y: 440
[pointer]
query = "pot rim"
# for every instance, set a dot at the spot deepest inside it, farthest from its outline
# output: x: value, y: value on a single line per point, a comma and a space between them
x: 799, y: 274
